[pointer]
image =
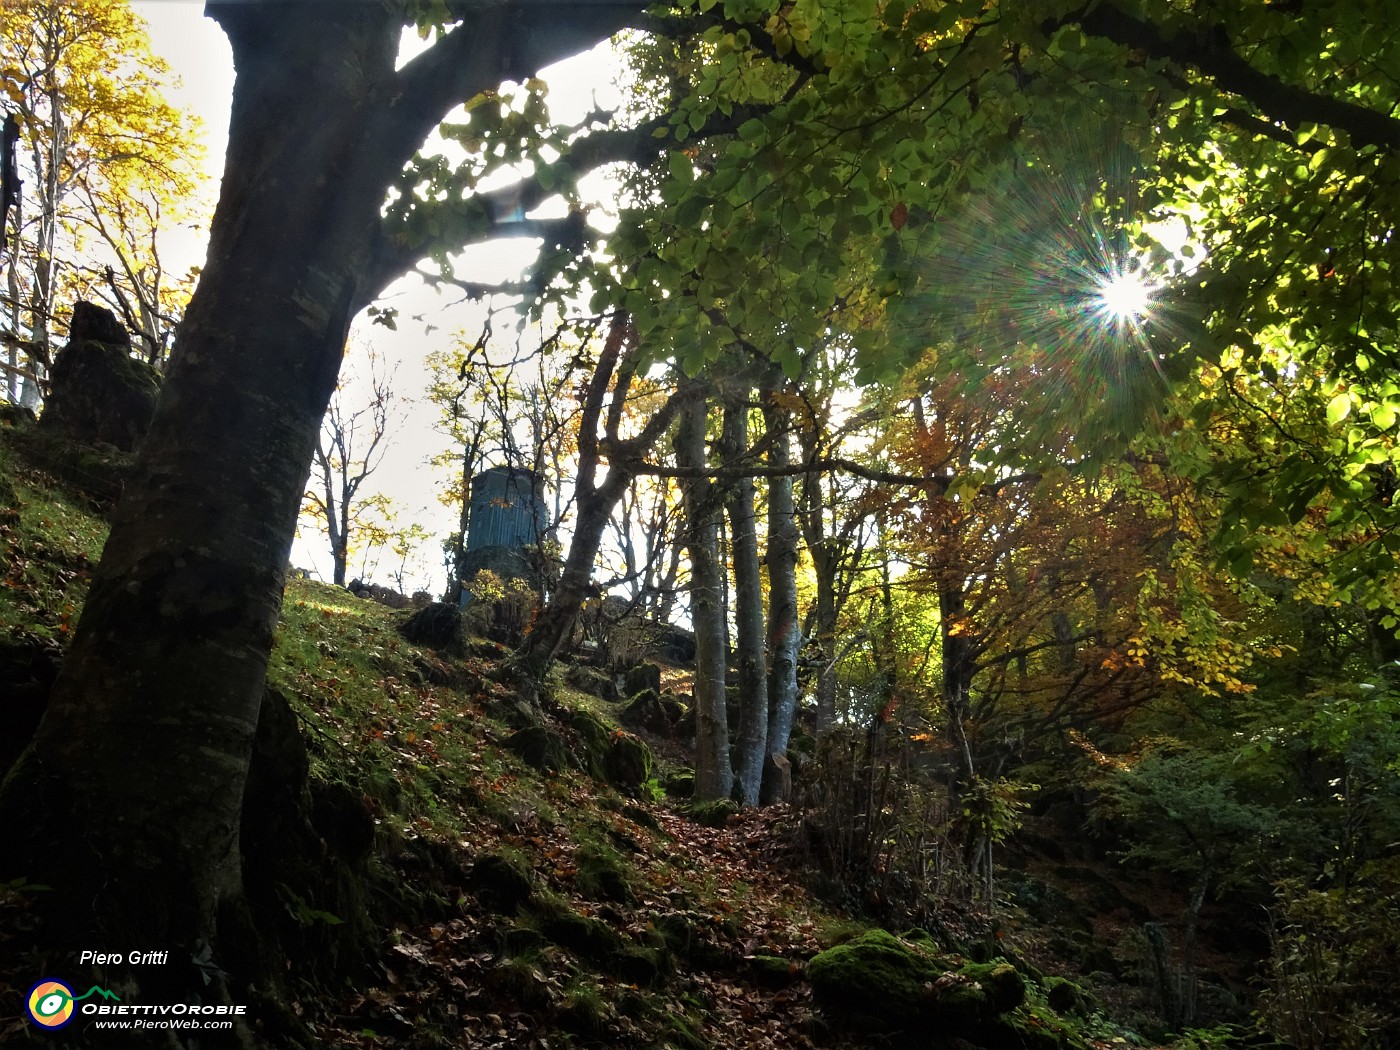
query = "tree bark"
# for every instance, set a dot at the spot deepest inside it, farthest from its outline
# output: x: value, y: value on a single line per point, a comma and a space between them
x: 748, y: 605
x: 784, y: 635
x: 596, y: 499
x: 128, y: 800
x: 826, y: 562
x: 714, y: 776
x: 142, y: 755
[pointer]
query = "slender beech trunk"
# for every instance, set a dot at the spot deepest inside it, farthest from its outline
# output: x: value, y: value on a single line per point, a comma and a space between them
x: 12, y: 287
x: 884, y: 642
x: 340, y: 548
x: 784, y: 635
x: 824, y: 552
x: 748, y: 605
x: 48, y: 165
x: 714, y: 776
x: 464, y: 519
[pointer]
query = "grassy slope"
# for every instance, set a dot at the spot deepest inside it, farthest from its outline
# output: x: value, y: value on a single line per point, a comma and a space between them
x: 641, y: 927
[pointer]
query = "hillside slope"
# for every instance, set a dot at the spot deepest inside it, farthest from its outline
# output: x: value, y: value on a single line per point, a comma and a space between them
x: 431, y: 863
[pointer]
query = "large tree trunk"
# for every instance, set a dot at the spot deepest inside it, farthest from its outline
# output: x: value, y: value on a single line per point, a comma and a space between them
x: 714, y: 775
x: 748, y: 605
x: 129, y: 798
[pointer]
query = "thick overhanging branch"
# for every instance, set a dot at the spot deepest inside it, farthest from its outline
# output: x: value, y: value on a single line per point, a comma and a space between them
x: 453, y: 225
x: 493, y: 43
x: 1207, y: 49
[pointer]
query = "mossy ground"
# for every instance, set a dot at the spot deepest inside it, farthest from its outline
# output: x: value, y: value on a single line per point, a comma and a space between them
x: 508, y: 906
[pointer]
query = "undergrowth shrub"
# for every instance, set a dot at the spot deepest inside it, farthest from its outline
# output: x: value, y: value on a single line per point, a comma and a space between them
x: 501, y: 609
x: 1332, y: 971
x: 883, y: 835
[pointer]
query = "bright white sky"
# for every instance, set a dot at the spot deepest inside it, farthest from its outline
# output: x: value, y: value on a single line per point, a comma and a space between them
x: 199, y: 54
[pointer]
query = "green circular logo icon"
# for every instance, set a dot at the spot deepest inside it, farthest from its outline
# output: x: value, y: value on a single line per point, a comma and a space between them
x: 50, y: 1004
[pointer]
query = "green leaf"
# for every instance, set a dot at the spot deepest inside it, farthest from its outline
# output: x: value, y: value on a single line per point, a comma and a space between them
x: 751, y: 130
x: 682, y: 170
x: 1338, y: 408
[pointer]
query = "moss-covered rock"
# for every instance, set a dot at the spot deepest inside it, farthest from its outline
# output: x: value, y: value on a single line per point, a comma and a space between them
x: 501, y: 883
x: 920, y: 937
x: 1066, y: 997
x: 679, y: 784
x: 772, y: 971
x: 712, y: 813
x: 874, y: 982
x: 592, y: 681
x: 1000, y: 982
x: 592, y: 741
x: 642, y: 676
x: 646, y: 711
x: 98, y: 392
x: 17, y: 416
x: 541, y: 748
x: 877, y: 983
x: 96, y: 472
x: 437, y: 625
x: 629, y: 762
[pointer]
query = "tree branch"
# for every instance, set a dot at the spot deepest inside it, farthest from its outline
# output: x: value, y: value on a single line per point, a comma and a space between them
x: 1207, y: 48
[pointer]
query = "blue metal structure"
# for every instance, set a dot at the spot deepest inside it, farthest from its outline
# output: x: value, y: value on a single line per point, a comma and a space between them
x: 507, y: 509
x: 507, y: 515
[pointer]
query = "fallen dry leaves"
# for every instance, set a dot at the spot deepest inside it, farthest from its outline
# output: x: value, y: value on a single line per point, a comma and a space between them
x: 450, y: 982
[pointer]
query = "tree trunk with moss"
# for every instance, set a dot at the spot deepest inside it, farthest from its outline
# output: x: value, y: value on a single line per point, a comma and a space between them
x: 128, y: 801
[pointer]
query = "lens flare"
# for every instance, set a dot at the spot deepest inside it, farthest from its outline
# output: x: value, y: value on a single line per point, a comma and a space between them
x: 1045, y: 271
x: 1124, y: 297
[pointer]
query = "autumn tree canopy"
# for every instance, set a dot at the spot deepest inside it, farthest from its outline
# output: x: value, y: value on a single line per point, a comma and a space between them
x: 106, y: 162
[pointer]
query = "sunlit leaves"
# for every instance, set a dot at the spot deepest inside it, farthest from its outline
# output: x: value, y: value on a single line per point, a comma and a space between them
x: 104, y: 157
x: 1338, y: 408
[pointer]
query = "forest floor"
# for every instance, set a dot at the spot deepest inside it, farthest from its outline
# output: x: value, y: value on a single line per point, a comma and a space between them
x: 481, y: 879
